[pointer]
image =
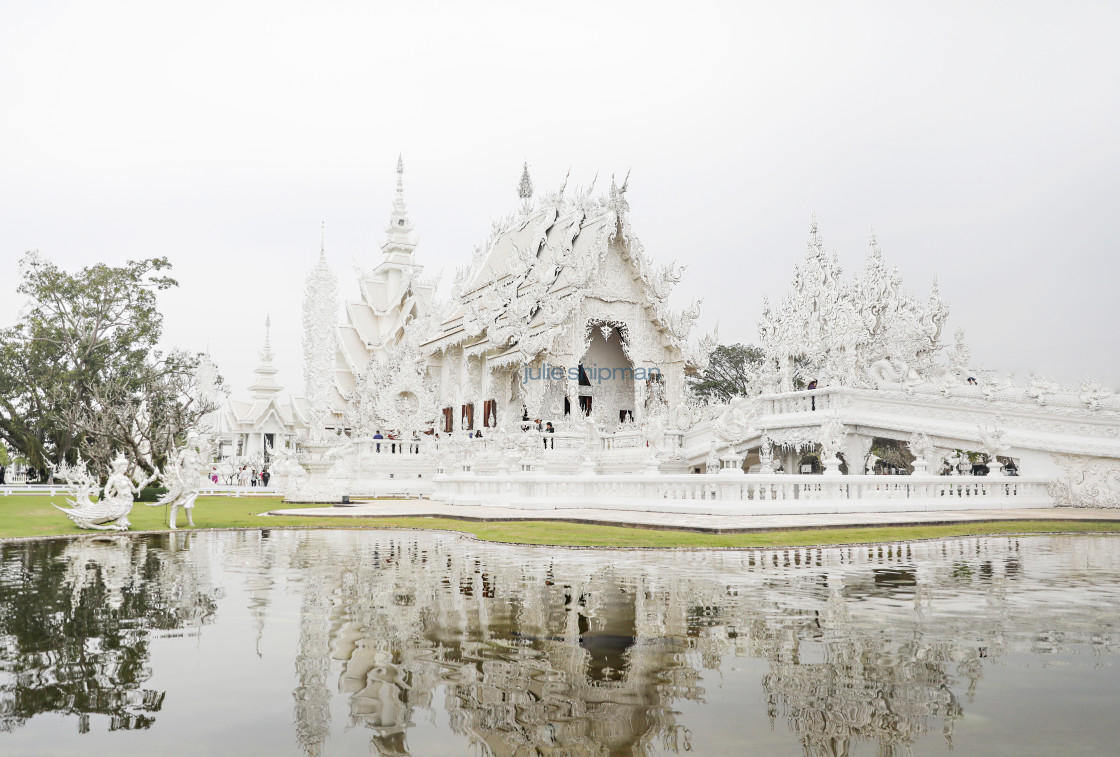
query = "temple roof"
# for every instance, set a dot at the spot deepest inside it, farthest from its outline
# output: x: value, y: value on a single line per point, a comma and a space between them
x: 540, y: 262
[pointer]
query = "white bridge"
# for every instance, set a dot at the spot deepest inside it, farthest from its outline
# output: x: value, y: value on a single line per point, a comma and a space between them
x: 1065, y: 449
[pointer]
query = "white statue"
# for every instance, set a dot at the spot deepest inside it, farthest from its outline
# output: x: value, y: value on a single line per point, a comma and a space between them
x: 872, y: 461
x: 832, y: 441
x: 110, y: 512
x: 994, y: 439
x: 183, y: 478
x: 923, y: 451
x: 590, y: 433
x: 285, y: 466
x: 766, y: 455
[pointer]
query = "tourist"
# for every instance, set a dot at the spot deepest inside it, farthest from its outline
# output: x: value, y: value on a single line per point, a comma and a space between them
x: 265, y: 476
x: 243, y: 476
x: 812, y: 386
x: 971, y: 380
x: 377, y: 435
x: 548, y: 429
x: 478, y: 434
x: 253, y: 477
x: 214, y: 474
x: 3, y: 470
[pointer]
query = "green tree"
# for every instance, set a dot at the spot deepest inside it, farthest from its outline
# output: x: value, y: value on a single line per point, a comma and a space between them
x: 81, y: 371
x: 732, y: 372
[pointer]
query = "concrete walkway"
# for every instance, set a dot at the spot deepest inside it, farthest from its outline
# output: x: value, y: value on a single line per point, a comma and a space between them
x: 682, y: 522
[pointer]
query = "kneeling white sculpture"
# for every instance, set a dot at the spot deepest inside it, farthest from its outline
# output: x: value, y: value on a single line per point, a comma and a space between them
x: 110, y: 512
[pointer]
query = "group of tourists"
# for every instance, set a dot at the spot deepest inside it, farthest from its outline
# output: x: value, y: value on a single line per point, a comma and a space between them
x: 395, y: 442
x: 244, y: 476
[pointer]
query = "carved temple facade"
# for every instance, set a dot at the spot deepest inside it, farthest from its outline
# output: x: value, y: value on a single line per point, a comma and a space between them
x: 559, y: 315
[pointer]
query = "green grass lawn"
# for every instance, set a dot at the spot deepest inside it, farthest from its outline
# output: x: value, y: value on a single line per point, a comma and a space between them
x: 33, y: 515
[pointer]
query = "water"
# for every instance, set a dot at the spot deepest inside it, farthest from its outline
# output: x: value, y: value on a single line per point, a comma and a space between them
x: 391, y: 643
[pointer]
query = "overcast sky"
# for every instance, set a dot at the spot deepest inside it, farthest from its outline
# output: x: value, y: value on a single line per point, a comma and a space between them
x: 978, y: 139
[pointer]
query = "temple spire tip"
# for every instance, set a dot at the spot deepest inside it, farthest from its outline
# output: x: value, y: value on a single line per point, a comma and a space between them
x: 525, y: 187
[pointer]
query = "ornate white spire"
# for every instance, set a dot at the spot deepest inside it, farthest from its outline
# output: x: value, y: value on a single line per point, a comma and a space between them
x: 266, y: 351
x: 399, y: 231
x: 616, y: 198
x: 320, y: 311
x: 525, y: 187
x: 265, y: 385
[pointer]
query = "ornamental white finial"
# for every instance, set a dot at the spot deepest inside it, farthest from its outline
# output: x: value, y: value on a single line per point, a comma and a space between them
x: 525, y: 188
x: 400, y: 227
x: 323, y: 240
x: 266, y: 351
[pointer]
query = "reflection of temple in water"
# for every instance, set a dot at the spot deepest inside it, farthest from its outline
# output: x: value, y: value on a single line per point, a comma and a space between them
x: 575, y: 652
x: 511, y: 651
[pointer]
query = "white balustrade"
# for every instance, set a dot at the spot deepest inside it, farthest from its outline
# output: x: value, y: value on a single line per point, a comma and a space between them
x: 746, y: 494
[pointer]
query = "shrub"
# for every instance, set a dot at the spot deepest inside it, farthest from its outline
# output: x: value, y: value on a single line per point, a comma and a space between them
x: 151, y: 493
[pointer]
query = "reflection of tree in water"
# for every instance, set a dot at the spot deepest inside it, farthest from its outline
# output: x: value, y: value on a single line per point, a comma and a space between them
x: 570, y: 655
x: 75, y: 621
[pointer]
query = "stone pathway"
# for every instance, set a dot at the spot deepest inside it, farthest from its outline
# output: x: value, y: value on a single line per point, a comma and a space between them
x: 413, y: 508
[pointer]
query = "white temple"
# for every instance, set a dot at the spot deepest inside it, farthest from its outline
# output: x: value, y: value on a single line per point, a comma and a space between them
x: 561, y: 287
x: 270, y: 419
x: 556, y: 377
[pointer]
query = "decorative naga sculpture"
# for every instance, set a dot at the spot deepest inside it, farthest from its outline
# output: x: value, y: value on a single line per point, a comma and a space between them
x: 183, y: 478
x: 110, y: 512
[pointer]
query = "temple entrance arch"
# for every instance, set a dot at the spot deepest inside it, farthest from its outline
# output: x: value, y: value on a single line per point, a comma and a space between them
x: 605, y: 383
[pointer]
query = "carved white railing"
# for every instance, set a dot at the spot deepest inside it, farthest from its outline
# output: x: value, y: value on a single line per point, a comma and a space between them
x: 799, y: 402
x: 741, y: 493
